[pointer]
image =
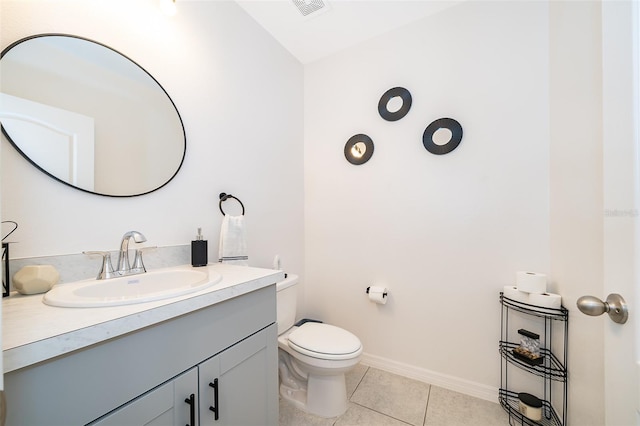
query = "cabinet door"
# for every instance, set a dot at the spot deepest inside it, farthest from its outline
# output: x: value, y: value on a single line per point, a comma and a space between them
x: 163, y: 406
x: 239, y: 386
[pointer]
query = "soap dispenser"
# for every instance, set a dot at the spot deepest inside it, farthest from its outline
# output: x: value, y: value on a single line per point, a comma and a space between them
x: 199, y: 256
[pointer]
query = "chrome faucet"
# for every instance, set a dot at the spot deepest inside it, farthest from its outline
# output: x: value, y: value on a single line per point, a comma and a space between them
x: 124, y: 266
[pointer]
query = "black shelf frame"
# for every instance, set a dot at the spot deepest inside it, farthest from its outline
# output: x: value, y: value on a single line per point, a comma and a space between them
x: 553, y: 369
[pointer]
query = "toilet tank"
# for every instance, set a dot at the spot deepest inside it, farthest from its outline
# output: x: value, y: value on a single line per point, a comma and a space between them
x: 286, y: 302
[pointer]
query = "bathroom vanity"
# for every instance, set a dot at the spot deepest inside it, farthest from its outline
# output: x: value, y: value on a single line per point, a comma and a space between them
x: 207, y: 358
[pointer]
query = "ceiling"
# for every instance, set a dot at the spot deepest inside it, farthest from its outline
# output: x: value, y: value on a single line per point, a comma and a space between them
x: 338, y: 25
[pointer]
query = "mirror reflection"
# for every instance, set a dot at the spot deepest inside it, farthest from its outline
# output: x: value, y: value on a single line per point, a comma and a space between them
x: 442, y: 136
x: 88, y: 116
x: 394, y: 104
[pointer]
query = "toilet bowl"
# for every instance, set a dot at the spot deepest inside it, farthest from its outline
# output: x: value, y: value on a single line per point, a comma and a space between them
x: 313, y: 358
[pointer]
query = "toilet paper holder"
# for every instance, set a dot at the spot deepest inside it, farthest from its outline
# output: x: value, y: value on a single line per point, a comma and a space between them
x: 383, y: 294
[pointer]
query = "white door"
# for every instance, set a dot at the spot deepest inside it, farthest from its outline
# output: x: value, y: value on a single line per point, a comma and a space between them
x: 621, y: 207
x: 59, y: 141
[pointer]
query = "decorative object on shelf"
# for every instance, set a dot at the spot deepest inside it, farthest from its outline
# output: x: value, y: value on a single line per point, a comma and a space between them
x: 529, y: 349
x: 530, y: 406
x: 358, y: 149
x: 35, y: 279
x: 390, y: 95
x: 5, y: 259
x: 442, y: 136
x: 551, y: 372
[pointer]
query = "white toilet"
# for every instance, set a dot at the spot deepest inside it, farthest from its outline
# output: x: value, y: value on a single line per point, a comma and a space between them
x: 312, y: 358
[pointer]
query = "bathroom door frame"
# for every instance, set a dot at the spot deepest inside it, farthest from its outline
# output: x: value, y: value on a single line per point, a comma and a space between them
x: 621, y: 218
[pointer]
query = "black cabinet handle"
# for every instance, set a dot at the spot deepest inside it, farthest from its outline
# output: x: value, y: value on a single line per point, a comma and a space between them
x: 192, y: 409
x: 214, y: 408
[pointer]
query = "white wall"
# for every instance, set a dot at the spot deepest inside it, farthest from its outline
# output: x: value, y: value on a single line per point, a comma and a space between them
x: 240, y: 96
x: 443, y: 233
x: 522, y: 191
x: 576, y: 198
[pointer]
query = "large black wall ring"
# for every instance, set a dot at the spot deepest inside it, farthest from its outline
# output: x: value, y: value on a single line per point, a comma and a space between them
x: 442, y: 123
x: 358, y: 149
x: 388, y: 95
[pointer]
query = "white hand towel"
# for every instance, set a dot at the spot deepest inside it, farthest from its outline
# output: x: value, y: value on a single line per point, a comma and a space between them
x: 233, y: 241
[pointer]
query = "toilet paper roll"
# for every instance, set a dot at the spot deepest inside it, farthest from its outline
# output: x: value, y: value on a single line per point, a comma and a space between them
x: 378, y: 294
x: 546, y: 300
x: 513, y: 293
x: 531, y: 282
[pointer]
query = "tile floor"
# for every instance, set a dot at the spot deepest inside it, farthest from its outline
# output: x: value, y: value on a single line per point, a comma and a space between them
x: 378, y: 398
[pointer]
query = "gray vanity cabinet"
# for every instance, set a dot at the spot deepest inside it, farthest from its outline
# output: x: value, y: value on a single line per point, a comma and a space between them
x: 145, y: 376
x: 231, y: 388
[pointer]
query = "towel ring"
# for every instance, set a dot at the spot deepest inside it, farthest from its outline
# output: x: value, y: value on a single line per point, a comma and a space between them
x: 224, y: 197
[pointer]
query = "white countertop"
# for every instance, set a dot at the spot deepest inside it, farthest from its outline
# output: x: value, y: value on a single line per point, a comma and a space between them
x: 33, y: 332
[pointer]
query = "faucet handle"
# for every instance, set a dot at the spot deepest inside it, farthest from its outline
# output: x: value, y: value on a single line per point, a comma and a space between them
x: 106, y: 271
x: 138, y: 264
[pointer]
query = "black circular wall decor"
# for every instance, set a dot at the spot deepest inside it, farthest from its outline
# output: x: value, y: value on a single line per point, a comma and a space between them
x: 442, y: 123
x: 388, y: 95
x: 358, y: 149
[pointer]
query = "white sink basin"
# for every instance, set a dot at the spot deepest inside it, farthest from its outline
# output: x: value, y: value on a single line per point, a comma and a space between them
x: 154, y: 285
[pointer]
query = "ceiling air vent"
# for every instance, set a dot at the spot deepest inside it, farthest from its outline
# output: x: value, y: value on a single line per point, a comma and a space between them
x: 310, y: 8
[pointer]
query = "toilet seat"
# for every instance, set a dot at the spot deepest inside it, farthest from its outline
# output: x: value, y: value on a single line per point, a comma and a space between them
x: 324, y: 341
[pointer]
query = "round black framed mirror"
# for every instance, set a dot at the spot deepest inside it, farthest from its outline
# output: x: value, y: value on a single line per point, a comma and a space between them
x: 358, y: 149
x: 442, y: 136
x: 394, y: 104
x: 88, y: 116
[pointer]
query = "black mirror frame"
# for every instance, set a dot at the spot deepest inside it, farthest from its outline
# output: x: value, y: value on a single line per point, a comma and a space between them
x: 22, y: 40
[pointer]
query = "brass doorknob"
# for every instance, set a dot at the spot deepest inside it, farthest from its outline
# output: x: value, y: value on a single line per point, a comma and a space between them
x: 615, y: 306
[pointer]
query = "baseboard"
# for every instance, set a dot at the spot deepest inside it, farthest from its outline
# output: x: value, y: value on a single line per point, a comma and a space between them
x: 456, y: 384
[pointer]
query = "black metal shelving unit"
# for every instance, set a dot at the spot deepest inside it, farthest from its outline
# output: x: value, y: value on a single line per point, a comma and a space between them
x: 553, y: 369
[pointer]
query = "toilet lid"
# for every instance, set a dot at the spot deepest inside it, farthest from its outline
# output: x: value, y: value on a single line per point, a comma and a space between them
x: 324, y: 341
